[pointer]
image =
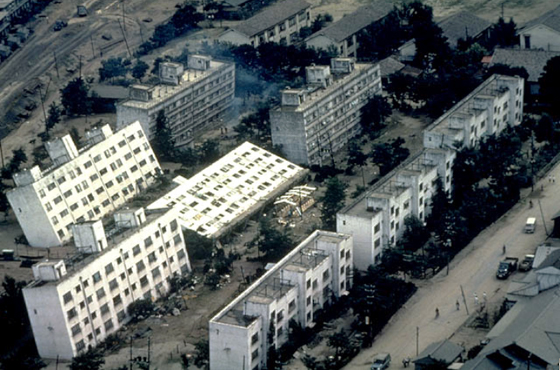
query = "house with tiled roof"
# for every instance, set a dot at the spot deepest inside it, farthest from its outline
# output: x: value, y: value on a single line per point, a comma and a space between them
x: 532, y: 60
x: 461, y: 25
x: 280, y: 23
x: 542, y: 32
x: 343, y: 34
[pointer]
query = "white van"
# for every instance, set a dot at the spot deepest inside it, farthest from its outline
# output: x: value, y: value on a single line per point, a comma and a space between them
x: 530, y: 225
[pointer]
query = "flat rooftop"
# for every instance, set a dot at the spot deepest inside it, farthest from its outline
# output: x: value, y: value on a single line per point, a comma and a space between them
x: 115, y: 236
x: 229, y: 189
x: 271, y: 286
x: 315, y: 93
x: 163, y: 92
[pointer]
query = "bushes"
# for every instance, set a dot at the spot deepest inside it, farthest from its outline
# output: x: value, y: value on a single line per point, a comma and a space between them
x: 141, y: 308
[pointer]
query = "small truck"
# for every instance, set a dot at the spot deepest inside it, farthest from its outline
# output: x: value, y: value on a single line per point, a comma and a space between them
x: 507, y: 267
x: 527, y: 262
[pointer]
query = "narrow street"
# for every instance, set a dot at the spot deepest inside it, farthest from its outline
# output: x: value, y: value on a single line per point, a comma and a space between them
x: 474, y: 269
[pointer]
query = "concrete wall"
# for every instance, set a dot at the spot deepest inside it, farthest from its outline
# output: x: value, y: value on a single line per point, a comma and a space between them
x: 362, y: 230
x: 126, y: 115
x: 288, y: 132
x: 233, y: 37
x: 541, y: 37
x: 230, y: 345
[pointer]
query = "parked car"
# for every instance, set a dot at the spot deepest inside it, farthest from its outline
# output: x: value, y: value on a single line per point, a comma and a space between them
x: 507, y: 267
x: 527, y: 262
x: 381, y: 361
x: 59, y: 24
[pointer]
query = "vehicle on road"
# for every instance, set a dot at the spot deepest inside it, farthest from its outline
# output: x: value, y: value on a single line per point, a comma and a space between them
x: 507, y: 267
x: 527, y: 262
x: 530, y: 225
x: 59, y: 24
x: 82, y: 11
x: 381, y: 361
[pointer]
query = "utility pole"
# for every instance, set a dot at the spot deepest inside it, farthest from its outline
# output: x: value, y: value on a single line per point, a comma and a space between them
x: 464, y: 299
x: 130, y: 362
x: 124, y: 23
x: 92, y: 48
x: 543, y: 220
x: 149, y: 353
x: 80, y: 65
x: 124, y: 37
x: 417, y: 337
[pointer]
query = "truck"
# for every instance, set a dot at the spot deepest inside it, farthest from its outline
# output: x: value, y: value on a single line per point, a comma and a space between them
x: 527, y: 262
x: 507, y: 267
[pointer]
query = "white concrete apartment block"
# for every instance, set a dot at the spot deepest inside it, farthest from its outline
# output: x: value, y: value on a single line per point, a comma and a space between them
x: 320, y: 118
x: 313, y: 274
x: 193, y: 99
x: 76, y: 303
x: 82, y: 184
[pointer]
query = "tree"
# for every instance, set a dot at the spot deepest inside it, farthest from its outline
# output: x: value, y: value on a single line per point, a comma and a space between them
x: 503, y: 34
x: 74, y: 97
x: 139, y: 70
x: 19, y: 157
x: 415, y: 234
x: 271, y: 241
x: 163, y: 33
x: 202, y: 355
x: 389, y: 155
x: 163, y: 142
x: 209, y: 151
x: 185, y: 19
x: 320, y: 22
x: 356, y: 157
x: 113, y: 67
x: 53, y: 116
x: 200, y: 247
x: 338, y: 341
x: 333, y: 201
x: 549, y: 86
x: 91, y: 360
x: 373, y: 115
x: 4, y: 204
x: 140, y: 308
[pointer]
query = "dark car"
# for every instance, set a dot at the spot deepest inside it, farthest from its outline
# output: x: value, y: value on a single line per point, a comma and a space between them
x: 59, y: 24
x: 527, y: 262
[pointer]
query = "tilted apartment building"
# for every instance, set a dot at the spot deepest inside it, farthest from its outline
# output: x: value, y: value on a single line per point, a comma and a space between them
x: 321, y: 117
x: 82, y: 184
x: 76, y: 303
x: 310, y: 276
x: 193, y: 99
x: 376, y: 219
x: 489, y: 109
x: 230, y: 190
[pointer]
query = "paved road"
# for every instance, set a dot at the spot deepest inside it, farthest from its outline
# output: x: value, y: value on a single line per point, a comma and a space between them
x: 474, y: 268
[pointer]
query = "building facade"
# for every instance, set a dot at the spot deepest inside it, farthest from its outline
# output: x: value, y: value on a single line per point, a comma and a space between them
x: 343, y: 34
x: 376, y: 219
x: 83, y: 184
x: 542, y: 33
x: 193, y: 100
x: 227, y: 192
x: 280, y: 22
x: 317, y: 120
x: 77, y: 303
x: 488, y: 110
x: 307, y: 279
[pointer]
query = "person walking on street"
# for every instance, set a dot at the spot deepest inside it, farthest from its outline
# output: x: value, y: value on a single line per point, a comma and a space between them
x: 437, y: 312
x: 458, y: 305
x: 484, y: 296
x: 504, y: 249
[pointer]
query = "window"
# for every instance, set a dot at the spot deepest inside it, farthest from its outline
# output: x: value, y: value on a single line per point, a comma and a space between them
x: 254, y: 338
x: 64, y: 213
x: 181, y: 254
x: 61, y: 180
x: 148, y: 241
x: 71, y: 313
x: 173, y: 225
x: 93, y: 177
x: 109, y: 325
x: 326, y: 276
x: 67, y: 194
x: 177, y: 239
x: 105, y: 309
x: 67, y: 297
x: 377, y: 227
x: 100, y: 293
x: 255, y: 355
x: 292, y: 306
x: 143, y: 281
x: 152, y: 257
x: 113, y: 284
x: 76, y: 329
x: 109, y: 268
x: 140, y: 266
x: 103, y: 171
x: 51, y: 186
x: 136, y: 250
x: 156, y: 272
x: 121, y: 315
x: 57, y: 200
x: 308, y: 283
x: 117, y: 300
x: 96, y: 277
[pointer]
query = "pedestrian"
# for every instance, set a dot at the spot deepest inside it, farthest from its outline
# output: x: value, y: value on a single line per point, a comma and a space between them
x: 476, y: 301
x: 458, y: 305
x: 504, y: 249
x: 437, y: 312
x: 549, y: 178
x: 484, y: 297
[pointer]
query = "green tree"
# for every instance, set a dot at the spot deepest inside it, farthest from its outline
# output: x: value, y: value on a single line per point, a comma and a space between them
x: 389, y: 155
x: 185, y: 19
x: 338, y: 341
x: 4, y: 204
x: 200, y: 247
x: 415, y: 234
x: 19, y: 157
x: 90, y: 360
x: 163, y: 142
x: 113, y: 67
x: 209, y: 151
x: 163, y: 33
x: 53, y: 116
x: 141, y: 308
x: 202, y: 353
x: 139, y: 70
x: 74, y: 97
x: 373, y: 115
x: 503, y: 34
x: 356, y: 157
x: 332, y: 201
x: 549, y: 86
x: 271, y: 241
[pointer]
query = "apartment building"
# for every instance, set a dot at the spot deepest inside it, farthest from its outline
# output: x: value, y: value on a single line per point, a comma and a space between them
x: 76, y: 303
x: 10, y: 11
x: 280, y: 22
x: 318, y: 119
x: 193, y: 99
x: 306, y: 280
x: 82, y: 185
x: 343, y: 34
x: 230, y: 190
x: 376, y: 219
x: 489, y: 109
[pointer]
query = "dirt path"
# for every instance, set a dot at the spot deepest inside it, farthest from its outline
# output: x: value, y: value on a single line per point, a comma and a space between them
x: 473, y: 269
